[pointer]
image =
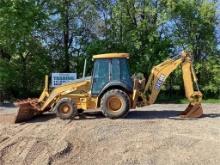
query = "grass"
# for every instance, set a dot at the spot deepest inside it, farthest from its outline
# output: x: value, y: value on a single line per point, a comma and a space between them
x: 212, y: 101
x: 182, y: 100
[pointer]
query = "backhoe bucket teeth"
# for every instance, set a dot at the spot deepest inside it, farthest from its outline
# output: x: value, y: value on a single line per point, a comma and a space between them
x: 192, y: 111
x: 27, y: 110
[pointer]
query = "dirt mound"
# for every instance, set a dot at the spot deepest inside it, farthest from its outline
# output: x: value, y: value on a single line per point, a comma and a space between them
x: 7, y: 118
x: 145, y: 136
x: 8, y: 114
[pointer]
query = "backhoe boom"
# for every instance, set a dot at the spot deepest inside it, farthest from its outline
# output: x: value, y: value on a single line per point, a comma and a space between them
x: 158, y: 76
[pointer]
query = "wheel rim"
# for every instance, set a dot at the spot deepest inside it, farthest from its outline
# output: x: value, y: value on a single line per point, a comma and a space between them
x: 65, y: 108
x: 114, y: 103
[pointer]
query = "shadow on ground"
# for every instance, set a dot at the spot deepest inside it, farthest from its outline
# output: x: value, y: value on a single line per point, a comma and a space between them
x: 135, y: 115
x: 42, y: 118
x: 166, y: 114
x: 211, y: 115
x: 10, y: 105
x: 83, y: 116
x: 152, y: 114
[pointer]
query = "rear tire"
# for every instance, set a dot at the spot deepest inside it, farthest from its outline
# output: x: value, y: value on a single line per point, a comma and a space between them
x: 115, y: 104
x: 65, y: 108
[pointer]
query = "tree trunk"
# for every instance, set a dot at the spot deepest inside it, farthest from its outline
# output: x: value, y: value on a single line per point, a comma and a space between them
x: 66, y: 36
x: 24, y: 78
x: 4, y: 55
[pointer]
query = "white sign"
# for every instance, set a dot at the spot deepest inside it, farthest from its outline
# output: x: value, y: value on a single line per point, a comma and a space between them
x: 60, y: 78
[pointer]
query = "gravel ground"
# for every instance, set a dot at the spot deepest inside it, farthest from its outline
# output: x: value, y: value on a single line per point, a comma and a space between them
x: 149, y: 135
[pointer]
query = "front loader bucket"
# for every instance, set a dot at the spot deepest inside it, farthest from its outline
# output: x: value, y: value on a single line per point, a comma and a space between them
x: 27, y: 110
x: 192, y: 111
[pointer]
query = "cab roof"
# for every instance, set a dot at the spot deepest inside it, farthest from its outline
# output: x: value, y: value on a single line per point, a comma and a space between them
x: 111, y: 55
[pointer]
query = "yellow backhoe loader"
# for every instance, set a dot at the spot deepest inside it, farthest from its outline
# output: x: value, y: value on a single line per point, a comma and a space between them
x: 112, y: 89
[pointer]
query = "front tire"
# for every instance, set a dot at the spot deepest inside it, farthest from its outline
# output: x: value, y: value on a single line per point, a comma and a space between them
x: 65, y: 108
x: 115, y: 104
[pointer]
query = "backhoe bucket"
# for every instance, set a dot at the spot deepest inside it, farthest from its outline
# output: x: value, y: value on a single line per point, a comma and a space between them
x: 27, y: 110
x: 192, y: 111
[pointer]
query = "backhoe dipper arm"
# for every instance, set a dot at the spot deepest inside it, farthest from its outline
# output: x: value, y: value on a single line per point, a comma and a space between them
x: 159, y: 74
x: 157, y: 78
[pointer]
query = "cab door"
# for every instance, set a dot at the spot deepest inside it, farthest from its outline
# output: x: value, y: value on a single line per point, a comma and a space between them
x: 101, y: 75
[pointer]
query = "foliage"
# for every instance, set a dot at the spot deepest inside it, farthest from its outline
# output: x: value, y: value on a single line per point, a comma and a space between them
x: 38, y: 37
x: 24, y: 60
x: 209, y: 74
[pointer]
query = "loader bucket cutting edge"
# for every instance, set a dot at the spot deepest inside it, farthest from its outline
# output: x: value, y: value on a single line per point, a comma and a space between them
x: 26, y: 110
x: 192, y: 111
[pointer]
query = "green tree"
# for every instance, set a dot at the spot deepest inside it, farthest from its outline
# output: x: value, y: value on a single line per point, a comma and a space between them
x: 40, y: 37
x: 20, y: 45
x: 193, y: 25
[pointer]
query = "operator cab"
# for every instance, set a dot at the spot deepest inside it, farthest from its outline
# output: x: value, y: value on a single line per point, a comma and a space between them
x: 111, y: 70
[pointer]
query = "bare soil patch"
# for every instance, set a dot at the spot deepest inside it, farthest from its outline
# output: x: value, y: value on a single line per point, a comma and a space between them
x: 150, y: 135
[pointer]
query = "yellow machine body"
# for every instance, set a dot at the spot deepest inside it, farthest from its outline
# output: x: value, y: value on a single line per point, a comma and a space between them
x: 79, y: 91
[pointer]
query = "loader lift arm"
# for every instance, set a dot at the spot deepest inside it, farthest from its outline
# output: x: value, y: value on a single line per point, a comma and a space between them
x: 158, y: 75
